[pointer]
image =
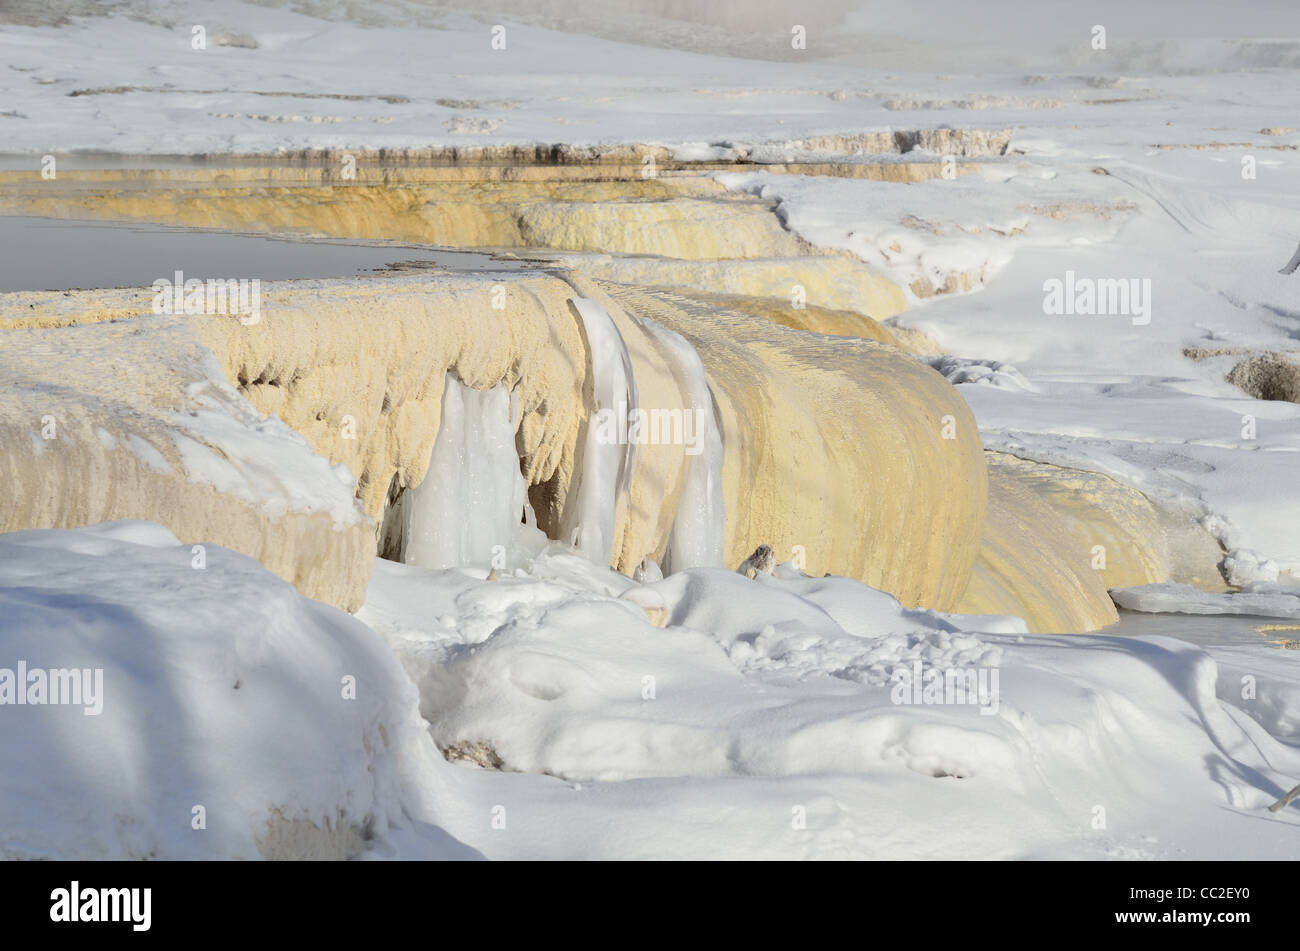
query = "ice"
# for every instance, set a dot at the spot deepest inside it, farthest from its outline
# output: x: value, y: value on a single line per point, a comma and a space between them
x: 606, y: 465
x: 1243, y: 567
x: 472, y: 507
x: 1185, y: 599
x: 698, y: 537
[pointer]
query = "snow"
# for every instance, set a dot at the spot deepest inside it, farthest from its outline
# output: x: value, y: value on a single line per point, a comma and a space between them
x: 706, y: 714
x: 222, y: 688
x: 312, y: 82
x: 261, y: 460
x: 765, y: 697
x: 957, y: 370
x: 760, y: 723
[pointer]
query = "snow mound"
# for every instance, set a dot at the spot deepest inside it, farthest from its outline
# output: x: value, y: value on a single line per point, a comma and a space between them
x: 226, y: 724
x: 564, y: 678
x: 899, y: 733
x: 1244, y: 567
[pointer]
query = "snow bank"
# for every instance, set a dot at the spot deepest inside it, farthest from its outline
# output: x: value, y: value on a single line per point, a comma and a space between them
x: 771, y: 718
x: 787, y: 703
x: 575, y: 683
x: 237, y: 719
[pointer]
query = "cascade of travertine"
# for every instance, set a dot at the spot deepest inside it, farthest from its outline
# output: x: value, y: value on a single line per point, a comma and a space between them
x: 478, y: 412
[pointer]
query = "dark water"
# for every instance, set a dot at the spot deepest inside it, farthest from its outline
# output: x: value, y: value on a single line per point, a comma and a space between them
x: 47, y: 254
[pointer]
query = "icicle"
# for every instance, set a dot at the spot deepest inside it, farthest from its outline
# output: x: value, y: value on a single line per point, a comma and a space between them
x: 698, y: 536
x: 467, y: 510
x: 606, y: 464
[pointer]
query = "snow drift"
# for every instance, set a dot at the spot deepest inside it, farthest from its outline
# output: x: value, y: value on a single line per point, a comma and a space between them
x: 239, y: 720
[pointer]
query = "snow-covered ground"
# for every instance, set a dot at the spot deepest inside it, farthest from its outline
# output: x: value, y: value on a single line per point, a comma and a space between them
x: 1111, y: 393
x: 709, y: 714
x: 124, y: 76
x: 784, y: 717
x: 772, y: 718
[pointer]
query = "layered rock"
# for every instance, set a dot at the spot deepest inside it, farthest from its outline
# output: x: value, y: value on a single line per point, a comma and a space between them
x: 826, y: 283
x: 358, y: 369
x: 1117, y: 528
x: 830, y: 321
x: 1269, y: 376
x: 692, y: 218
x: 133, y: 419
x: 686, y: 232
x: 943, y: 141
x: 836, y: 446
x: 840, y: 451
x: 1030, y: 565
